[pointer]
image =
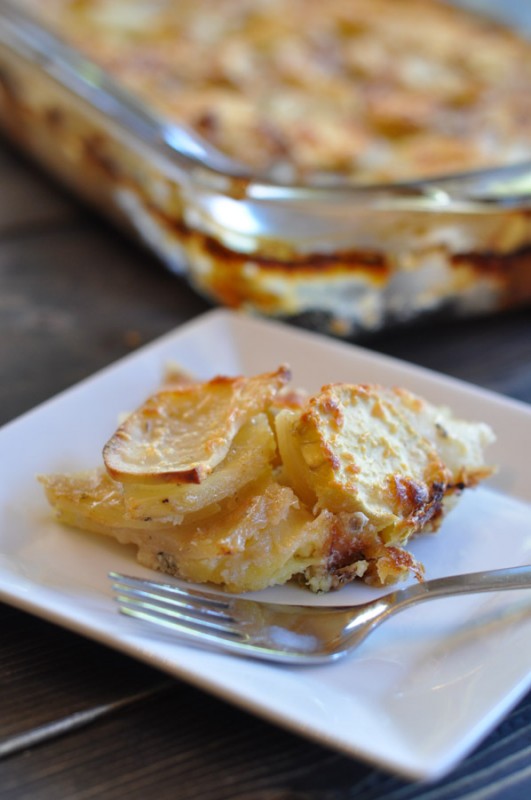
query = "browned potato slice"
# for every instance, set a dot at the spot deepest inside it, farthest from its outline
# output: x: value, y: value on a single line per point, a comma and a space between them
x: 351, y: 450
x: 250, y: 454
x: 180, y: 435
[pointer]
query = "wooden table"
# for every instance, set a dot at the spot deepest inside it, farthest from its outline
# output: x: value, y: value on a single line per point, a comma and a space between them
x: 80, y: 721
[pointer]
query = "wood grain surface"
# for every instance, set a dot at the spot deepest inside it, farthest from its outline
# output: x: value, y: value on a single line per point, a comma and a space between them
x: 80, y: 721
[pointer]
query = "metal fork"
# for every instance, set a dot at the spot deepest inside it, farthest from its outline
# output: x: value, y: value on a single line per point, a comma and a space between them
x: 293, y: 634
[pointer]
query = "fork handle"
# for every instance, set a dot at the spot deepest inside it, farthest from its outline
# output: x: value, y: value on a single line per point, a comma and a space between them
x: 390, y: 604
x: 472, y: 583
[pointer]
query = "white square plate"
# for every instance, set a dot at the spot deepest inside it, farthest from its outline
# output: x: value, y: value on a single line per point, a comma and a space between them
x: 424, y: 689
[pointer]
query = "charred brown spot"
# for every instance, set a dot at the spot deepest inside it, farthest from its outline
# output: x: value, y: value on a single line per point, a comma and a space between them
x: 344, y: 548
x: 411, y: 495
x: 352, y: 470
x: 332, y: 459
x: 416, y: 501
x: 332, y: 407
x: 403, y: 561
x: 151, y: 411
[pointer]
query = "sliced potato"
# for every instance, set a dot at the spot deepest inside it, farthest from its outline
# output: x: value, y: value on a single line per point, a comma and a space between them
x: 250, y: 455
x: 180, y: 435
x: 254, y: 539
x: 198, y: 482
x: 91, y: 500
x: 265, y: 539
x: 351, y: 450
x: 294, y: 467
x: 460, y: 443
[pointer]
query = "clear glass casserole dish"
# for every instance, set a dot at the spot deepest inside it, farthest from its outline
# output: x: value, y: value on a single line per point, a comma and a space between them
x: 342, y: 256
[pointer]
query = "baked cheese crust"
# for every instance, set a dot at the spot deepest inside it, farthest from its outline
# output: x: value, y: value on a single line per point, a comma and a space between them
x: 364, y: 90
x: 322, y: 489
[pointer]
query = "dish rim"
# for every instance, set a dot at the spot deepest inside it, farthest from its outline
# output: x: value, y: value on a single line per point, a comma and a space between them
x: 190, y: 158
x: 144, y: 645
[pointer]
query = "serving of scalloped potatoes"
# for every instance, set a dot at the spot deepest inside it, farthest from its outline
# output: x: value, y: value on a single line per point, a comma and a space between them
x: 246, y: 483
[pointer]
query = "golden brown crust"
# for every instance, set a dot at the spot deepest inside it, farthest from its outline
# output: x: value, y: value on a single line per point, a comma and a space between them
x: 324, y: 489
x: 357, y: 453
x: 372, y: 90
x: 378, y: 270
x: 180, y: 435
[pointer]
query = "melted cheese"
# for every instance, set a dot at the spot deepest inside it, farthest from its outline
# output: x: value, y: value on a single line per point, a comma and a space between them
x: 323, y: 489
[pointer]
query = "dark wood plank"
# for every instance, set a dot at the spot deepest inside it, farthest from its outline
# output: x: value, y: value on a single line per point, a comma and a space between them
x: 51, y: 680
x: 176, y: 745
x: 184, y: 744
x: 491, y: 351
x: 26, y: 200
x: 74, y: 300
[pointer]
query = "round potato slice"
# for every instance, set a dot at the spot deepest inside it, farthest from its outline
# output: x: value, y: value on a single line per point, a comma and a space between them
x: 352, y: 450
x: 250, y: 455
x: 180, y: 435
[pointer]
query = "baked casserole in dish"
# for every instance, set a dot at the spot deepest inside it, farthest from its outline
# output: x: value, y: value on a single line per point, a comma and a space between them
x: 348, y: 164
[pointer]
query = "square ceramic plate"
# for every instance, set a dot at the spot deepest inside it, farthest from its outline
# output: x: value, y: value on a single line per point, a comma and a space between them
x: 424, y: 689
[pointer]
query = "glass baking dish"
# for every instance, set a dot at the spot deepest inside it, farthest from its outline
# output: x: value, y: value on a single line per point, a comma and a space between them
x: 344, y: 259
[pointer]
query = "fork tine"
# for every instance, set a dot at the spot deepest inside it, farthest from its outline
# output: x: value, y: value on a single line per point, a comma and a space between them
x: 175, y: 619
x: 202, y: 635
x: 207, y: 620
x: 181, y: 608
x: 174, y: 607
x: 214, y: 600
x: 181, y: 613
x: 180, y: 602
